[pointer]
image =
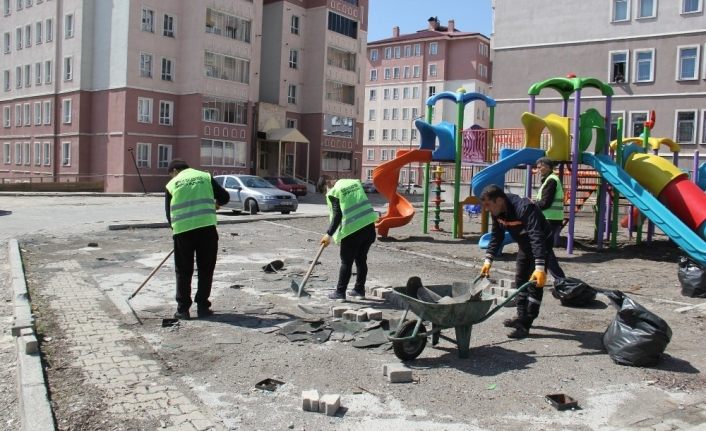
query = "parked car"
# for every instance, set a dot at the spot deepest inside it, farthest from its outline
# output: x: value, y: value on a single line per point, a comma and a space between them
x: 252, y: 194
x: 410, y: 189
x: 288, y: 184
x: 369, y: 187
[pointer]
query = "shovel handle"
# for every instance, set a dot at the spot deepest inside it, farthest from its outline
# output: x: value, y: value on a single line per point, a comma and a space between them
x: 151, y: 274
x: 311, y: 268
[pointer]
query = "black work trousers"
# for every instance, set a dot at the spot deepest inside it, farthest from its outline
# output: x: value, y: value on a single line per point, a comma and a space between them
x: 530, y: 300
x: 203, y: 242
x: 354, y: 248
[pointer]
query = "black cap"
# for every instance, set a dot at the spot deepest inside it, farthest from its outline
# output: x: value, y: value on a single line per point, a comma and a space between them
x: 177, y: 164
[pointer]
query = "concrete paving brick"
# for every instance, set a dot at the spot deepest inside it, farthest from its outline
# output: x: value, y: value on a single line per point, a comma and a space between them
x: 397, y: 373
x: 338, y: 311
x: 329, y: 404
x: 350, y: 315
x: 373, y: 314
x: 310, y: 400
x: 361, y: 316
x: 28, y: 344
x: 202, y: 425
x: 186, y: 426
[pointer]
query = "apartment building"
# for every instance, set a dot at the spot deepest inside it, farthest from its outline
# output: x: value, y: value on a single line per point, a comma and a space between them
x: 650, y: 51
x: 403, y: 71
x: 112, y: 91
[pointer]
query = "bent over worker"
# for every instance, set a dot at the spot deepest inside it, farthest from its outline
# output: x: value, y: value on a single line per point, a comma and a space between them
x: 550, y: 200
x: 353, y: 226
x: 190, y: 204
x: 528, y: 226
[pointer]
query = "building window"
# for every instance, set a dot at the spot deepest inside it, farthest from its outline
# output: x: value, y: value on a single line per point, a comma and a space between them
x: 47, y: 112
x: 37, y: 113
x: 371, y: 137
x: 66, y: 111
x: 146, y: 65
x: 28, y: 75
x: 166, y: 112
x: 47, y: 71
x: 404, y: 134
x: 408, y: 50
x: 6, y: 112
x: 383, y: 153
x: 373, y: 95
x: 621, y: 10
x: 395, y: 114
x: 371, y: 152
x: 396, y: 94
x: 168, y: 26
x: 371, y: 115
x: 385, y: 114
x: 647, y: 8
x: 398, y: 52
x: 18, y: 153
x: 291, y: 123
x: 373, y: 74
x: 703, y: 126
x: 644, y: 65
x: 38, y: 73
x: 432, y: 90
x: 618, y: 66
x: 688, y: 60
x: 393, y: 135
x: 369, y: 174
x: 144, y: 110
x: 69, y: 26
x: 6, y: 42
x: 407, y: 74
x: 388, y: 73
x: 68, y: 68
x: 6, y: 7
x: 339, y: 92
x: 388, y: 53
x: 338, y: 126
x: 614, y: 117
x: 28, y: 36
x: 18, y: 38
x: 164, y: 155
x: 221, y: 66
x: 413, y: 134
x: 432, y: 70
x: 415, y: 113
x: 336, y: 161
x: 148, y: 20
x: 37, y: 154
x: 18, y: 115
x: 26, y: 115
x: 292, y: 94
x: 386, y: 93
x: 405, y: 113
x: 433, y: 48
x: 49, y: 30
x: 167, y: 69
x: 224, y: 111
x: 373, y: 54
x: 6, y: 153
x: 66, y: 154
x: 385, y: 136
x: 293, y: 58
x: 637, y: 122
x: 223, y: 153
x: 25, y: 153
x: 294, y: 27
x: 143, y: 155
x: 691, y: 6
x: 416, y: 71
x: 341, y: 59
x: 685, y: 127
x: 6, y: 79
x: 396, y: 73
x: 46, y: 154
x: 342, y: 25
x: 38, y: 32
x: 405, y: 93
x: 18, y: 77
x: 229, y: 26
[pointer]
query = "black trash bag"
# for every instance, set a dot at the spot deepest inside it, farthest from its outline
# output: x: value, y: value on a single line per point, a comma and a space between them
x: 692, y: 278
x: 636, y: 337
x: 573, y: 292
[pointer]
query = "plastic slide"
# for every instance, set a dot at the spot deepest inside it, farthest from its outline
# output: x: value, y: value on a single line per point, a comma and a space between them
x: 650, y: 206
x: 386, y: 178
x: 495, y: 173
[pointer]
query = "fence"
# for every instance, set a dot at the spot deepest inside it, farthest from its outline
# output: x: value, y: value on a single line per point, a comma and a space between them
x: 62, y: 183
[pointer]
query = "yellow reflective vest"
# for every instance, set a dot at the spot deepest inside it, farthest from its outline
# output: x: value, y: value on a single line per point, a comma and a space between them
x: 192, y: 205
x: 355, y: 207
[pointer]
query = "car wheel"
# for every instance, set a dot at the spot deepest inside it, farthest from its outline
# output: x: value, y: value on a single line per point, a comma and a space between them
x: 251, y: 206
x: 286, y: 212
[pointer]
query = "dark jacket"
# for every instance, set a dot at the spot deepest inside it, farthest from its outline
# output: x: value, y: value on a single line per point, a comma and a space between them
x: 219, y: 193
x: 526, y: 224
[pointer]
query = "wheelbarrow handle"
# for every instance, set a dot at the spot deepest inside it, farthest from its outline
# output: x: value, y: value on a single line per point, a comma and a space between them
x: 508, y: 299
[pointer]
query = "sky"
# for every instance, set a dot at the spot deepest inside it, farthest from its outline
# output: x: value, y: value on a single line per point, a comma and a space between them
x: 412, y: 15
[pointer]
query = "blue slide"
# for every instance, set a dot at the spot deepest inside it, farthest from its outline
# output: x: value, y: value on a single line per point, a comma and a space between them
x: 495, y: 174
x: 650, y: 206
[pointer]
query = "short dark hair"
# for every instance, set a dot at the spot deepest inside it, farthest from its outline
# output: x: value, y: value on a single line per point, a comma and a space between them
x: 546, y: 161
x: 492, y: 192
x: 177, y: 164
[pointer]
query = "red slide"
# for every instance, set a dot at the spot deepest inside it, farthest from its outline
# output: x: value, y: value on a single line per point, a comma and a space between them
x: 386, y: 179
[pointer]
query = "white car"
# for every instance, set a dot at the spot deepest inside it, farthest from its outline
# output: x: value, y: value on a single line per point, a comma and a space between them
x: 252, y: 194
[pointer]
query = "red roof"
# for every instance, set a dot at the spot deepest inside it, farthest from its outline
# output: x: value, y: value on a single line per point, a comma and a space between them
x: 442, y: 33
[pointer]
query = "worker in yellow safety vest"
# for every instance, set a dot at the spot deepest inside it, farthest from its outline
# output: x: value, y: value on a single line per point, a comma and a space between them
x: 353, y: 227
x: 550, y: 199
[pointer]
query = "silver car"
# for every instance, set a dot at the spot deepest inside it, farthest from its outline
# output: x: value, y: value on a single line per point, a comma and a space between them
x: 252, y: 194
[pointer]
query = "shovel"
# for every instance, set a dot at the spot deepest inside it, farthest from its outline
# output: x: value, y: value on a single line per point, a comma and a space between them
x: 299, y: 288
x: 145, y: 282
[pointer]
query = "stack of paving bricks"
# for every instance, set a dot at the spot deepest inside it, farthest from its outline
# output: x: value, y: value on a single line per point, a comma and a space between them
x: 313, y: 402
x: 356, y: 315
x: 502, y: 290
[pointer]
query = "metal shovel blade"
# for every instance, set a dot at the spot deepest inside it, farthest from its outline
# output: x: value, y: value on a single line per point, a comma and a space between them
x: 299, y: 290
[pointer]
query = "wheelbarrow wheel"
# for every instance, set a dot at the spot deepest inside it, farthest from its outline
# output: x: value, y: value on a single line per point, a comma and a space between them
x: 409, y: 350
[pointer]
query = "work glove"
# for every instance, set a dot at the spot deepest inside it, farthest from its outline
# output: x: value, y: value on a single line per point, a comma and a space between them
x: 485, y: 270
x: 539, y: 276
x: 325, y: 240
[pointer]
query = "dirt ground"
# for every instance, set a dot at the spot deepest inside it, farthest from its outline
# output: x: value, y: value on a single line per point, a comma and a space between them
x: 500, y: 387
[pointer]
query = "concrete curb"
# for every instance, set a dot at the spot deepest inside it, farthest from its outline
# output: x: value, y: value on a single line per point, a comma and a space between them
x: 34, y: 408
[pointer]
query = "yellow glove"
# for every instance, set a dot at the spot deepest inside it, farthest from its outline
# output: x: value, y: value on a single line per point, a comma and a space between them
x: 539, y: 276
x: 485, y: 270
x: 325, y: 240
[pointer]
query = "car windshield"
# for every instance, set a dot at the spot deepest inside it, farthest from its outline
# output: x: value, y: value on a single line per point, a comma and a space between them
x: 288, y: 180
x: 255, y: 183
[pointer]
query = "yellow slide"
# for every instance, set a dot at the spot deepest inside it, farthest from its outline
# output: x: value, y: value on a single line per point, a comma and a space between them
x: 558, y: 127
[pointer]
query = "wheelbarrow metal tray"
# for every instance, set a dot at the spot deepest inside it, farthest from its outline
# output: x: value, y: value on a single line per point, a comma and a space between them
x: 446, y: 315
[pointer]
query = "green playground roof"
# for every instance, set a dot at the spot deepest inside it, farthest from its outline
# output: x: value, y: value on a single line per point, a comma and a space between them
x: 566, y: 86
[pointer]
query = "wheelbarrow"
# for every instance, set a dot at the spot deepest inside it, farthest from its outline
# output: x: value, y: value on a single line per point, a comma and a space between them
x: 410, y: 336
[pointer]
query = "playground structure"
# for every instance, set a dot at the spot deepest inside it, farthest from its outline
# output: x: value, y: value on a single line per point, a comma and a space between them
x: 657, y: 188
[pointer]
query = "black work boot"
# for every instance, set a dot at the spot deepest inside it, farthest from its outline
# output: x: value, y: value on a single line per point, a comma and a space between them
x: 520, y: 329
x: 182, y: 315
x: 510, y: 323
x: 336, y: 295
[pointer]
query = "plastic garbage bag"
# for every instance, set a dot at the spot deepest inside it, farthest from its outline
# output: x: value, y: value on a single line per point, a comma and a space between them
x: 636, y: 337
x: 692, y: 278
x: 573, y: 292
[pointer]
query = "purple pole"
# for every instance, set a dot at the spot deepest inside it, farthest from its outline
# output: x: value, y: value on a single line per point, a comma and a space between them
x: 532, y: 103
x: 696, y: 167
x: 603, y: 191
x: 574, y: 171
x: 565, y: 107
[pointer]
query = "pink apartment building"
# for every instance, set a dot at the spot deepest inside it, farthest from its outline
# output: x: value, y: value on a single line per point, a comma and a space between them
x: 406, y: 69
x: 112, y: 91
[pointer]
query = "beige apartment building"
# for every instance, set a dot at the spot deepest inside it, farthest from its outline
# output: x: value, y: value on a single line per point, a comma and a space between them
x: 650, y: 51
x: 112, y: 91
x: 403, y: 71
